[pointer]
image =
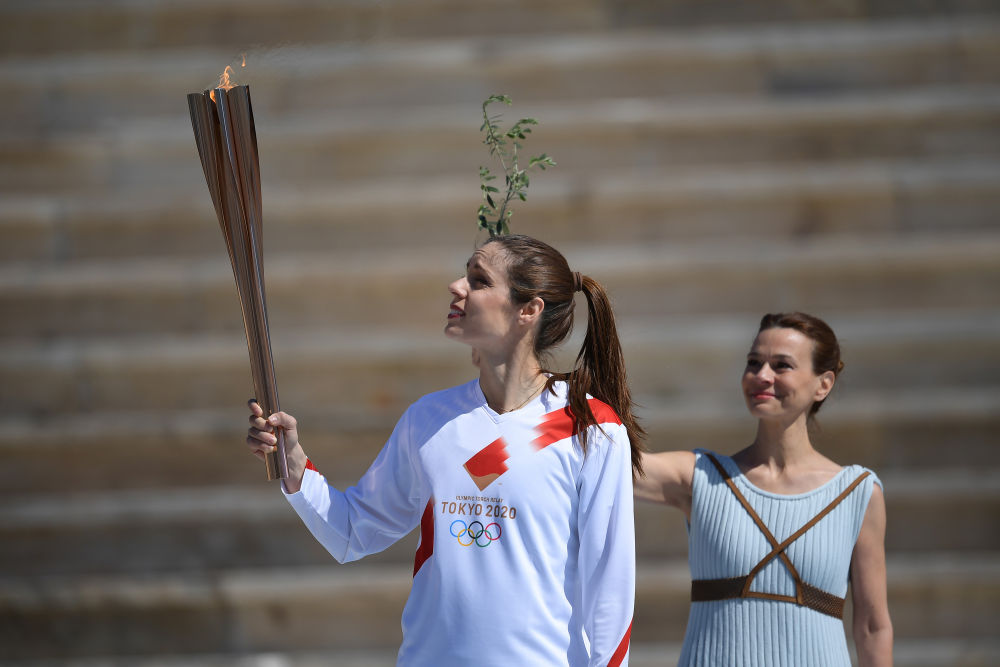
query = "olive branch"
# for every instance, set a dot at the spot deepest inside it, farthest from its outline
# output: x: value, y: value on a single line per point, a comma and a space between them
x: 504, y: 146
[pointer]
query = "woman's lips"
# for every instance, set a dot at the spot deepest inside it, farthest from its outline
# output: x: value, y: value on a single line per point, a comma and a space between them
x: 455, y: 313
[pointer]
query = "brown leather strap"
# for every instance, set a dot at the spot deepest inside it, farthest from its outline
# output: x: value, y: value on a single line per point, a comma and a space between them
x: 805, y: 594
x: 780, y: 548
x: 707, y: 590
x: 761, y: 525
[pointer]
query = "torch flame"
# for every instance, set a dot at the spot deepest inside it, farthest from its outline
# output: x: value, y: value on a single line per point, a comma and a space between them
x: 227, y: 76
x: 224, y: 81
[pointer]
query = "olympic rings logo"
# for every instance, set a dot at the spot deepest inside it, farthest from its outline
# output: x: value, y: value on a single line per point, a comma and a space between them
x: 476, y: 533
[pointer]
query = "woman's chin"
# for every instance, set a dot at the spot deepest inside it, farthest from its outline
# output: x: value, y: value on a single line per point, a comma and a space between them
x: 761, y: 410
x: 455, y: 333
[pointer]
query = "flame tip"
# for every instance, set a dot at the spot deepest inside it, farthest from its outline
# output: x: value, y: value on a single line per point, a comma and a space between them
x: 224, y: 81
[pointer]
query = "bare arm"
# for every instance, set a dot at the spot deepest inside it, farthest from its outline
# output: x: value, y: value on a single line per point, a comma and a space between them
x: 872, y: 625
x: 667, y: 479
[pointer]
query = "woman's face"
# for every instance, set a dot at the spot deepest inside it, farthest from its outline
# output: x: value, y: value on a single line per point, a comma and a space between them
x: 778, y: 381
x: 482, y: 314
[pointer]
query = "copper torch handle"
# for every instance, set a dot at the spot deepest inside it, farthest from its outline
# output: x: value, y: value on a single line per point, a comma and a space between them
x: 271, y: 459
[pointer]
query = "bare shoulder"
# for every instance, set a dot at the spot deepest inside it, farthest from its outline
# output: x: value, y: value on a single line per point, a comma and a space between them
x: 876, y: 505
x: 669, y: 467
x: 667, y: 478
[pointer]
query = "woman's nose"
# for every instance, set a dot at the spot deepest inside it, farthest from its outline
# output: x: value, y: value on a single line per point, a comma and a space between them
x: 458, y: 287
x: 765, y: 373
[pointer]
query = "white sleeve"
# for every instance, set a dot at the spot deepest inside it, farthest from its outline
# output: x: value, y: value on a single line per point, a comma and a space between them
x: 384, y: 506
x: 607, y: 545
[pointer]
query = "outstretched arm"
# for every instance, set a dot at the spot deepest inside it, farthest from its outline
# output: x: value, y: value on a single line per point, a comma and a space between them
x: 667, y: 479
x: 872, y: 625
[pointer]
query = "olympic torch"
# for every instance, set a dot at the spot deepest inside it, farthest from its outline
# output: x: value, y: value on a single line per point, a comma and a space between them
x: 222, y: 119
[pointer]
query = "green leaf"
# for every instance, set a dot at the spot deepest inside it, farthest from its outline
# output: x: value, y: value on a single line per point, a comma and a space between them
x: 504, y: 146
x: 497, y: 98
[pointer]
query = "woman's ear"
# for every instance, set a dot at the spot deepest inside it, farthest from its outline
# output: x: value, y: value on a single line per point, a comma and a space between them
x: 826, y: 380
x: 531, y: 312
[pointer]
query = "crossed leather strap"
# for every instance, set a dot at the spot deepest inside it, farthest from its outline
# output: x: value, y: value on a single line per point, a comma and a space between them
x: 704, y: 590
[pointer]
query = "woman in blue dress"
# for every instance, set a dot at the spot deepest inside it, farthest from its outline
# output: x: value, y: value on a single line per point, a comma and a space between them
x: 778, y: 530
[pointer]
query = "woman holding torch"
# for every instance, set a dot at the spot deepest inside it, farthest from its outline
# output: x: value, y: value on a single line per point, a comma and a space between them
x: 777, y: 530
x: 520, y: 480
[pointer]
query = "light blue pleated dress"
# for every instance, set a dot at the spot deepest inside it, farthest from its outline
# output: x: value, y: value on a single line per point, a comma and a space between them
x: 724, y: 542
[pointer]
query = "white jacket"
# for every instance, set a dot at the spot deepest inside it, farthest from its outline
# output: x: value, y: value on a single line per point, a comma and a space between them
x: 527, y: 549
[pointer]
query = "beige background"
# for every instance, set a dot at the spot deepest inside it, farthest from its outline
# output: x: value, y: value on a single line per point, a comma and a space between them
x: 717, y: 160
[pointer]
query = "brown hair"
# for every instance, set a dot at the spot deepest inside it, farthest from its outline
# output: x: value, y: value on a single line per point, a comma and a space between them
x: 826, y: 349
x: 536, y: 269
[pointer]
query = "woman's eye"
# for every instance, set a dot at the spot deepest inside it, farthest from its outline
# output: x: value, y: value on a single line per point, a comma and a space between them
x: 753, y: 364
x: 478, y: 279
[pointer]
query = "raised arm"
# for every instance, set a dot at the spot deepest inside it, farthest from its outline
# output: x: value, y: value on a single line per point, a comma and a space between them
x: 667, y: 480
x: 382, y: 507
x: 872, y: 625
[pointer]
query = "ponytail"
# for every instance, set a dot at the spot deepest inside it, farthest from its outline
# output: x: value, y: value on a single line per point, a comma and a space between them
x: 536, y: 269
x: 600, y: 372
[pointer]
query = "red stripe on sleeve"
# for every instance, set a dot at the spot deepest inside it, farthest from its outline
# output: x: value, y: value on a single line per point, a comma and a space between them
x: 426, y: 546
x: 622, y: 649
x: 310, y: 466
x: 559, y: 425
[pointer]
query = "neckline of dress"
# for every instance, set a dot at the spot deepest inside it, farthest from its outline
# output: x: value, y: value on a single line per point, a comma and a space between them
x: 737, y: 473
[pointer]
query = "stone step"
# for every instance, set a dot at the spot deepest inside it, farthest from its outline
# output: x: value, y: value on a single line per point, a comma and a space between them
x: 645, y: 12
x: 906, y: 653
x: 312, y: 149
x: 61, y: 26
x: 145, y: 533
x: 46, y: 304
x: 786, y: 202
x: 670, y: 361
x: 380, y: 372
x: 64, y: 26
x: 51, y: 94
x: 895, y: 431
x: 358, y: 607
x: 212, y: 528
